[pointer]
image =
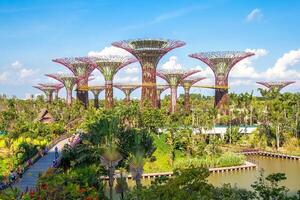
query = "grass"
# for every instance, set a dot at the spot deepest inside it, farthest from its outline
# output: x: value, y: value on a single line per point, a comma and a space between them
x: 162, y: 153
x: 162, y: 156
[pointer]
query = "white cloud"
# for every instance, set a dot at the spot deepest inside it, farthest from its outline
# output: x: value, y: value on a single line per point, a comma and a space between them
x: 281, y: 68
x: 244, y: 68
x: 26, y: 73
x: 109, y: 51
x: 3, y: 77
x: 254, y: 15
x: 172, y: 63
x: 17, y: 65
x: 126, y: 79
x: 131, y: 70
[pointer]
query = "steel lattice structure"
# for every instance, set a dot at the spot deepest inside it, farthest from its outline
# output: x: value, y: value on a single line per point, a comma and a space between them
x: 149, y: 52
x: 69, y: 81
x: 127, y: 89
x: 187, y: 83
x: 160, y: 89
x: 96, y: 90
x: 57, y: 87
x: 276, y: 85
x: 47, y: 90
x: 221, y: 62
x: 174, y: 78
x: 109, y: 66
x: 79, y: 69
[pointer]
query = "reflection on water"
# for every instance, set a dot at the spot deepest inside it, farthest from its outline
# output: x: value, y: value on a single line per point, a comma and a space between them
x: 244, y: 179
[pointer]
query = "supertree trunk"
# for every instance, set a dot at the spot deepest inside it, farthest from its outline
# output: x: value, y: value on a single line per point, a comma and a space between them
x: 127, y: 98
x: 158, y: 101
x: 221, y: 95
x: 96, y: 101
x: 69, y: 97
x: 50, y: 97
x: 109, y: 99
x: 149, y: 84
x: 56, y: 95
x: 82, y: 96
x: 173, y: 99
x: 187, y: 106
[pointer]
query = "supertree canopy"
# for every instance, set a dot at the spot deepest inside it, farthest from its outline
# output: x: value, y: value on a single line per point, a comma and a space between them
x: 80, y: 69
x: 276, y: 85
x: 109, y: 66
x: 174, y: 77
x: 96, y: 90
x: 160, y: 89
x: 221, y: 62
x: 69, y: 81
x: 149, y: 52
x: 48, y: 90
x: 187, y: 83
x: 57, y: 87
x: 127, y: 89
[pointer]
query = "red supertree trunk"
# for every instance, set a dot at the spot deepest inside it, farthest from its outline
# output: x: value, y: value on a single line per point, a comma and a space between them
x: 109, y: 98
x: 96, y: 101
x: 187, y: 107
x: 83, y: 96
x: 149, y: 84
x: 173, y: 99
x: 221, y: 95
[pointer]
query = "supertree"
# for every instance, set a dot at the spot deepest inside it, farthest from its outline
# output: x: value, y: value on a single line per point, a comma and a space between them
x: 109, y: 66
x: 80, y: 69
x: 160, y: 89
x: 149, y: 52
x: 47, y: 90
x: 187, y: 83
x: 57, y: 87
x: 127, y: 89
x: 69, y: 81
x: 96, y: 90
x: 276, y: 85
x: 173, y: 78
x: 221, y: 62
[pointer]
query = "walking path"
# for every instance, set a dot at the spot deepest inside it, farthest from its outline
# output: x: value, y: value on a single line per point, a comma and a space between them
x: 30, y: 177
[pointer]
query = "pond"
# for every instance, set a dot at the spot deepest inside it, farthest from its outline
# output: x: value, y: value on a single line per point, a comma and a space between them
x: 244, y: 179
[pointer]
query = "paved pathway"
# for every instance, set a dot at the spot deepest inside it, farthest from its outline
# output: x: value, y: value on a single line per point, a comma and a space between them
x: 30, y: 177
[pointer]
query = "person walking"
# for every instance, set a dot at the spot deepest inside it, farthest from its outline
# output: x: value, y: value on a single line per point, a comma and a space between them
x: 56, y: 153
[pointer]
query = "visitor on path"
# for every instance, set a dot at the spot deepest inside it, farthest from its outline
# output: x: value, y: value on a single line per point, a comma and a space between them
x: 54, y: 162
x: 56, y: 153
x: 46, y: 150
x: 20, y: 171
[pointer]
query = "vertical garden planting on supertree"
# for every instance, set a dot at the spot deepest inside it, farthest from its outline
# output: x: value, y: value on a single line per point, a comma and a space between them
x: 187, y: 83
x: 221, y: 62
x: 48, y: 91
x: 275, y: 85
x: 109, y: 66
x: 148, y: 52
x: 68, y: 81
x: 96, y: 90
x: 79, y: 69
x: 127, y: 89
x: 173, y: 78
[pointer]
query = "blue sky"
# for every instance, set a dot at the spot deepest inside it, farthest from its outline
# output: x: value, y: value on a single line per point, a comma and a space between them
x: 35, y: 31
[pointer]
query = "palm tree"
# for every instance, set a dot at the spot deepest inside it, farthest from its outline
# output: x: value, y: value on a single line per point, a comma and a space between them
x: 136, y: 165
x: 110, y: 159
